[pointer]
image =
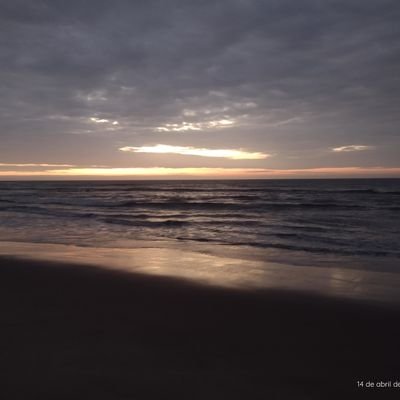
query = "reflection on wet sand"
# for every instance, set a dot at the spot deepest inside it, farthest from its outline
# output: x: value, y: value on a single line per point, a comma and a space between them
x: 213, y: 269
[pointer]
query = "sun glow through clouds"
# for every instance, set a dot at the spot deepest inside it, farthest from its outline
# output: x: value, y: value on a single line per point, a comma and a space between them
x: 24, y: 165
x: 193, y: 151
x: 103, y: 121
x: 195, y: 126
x: 202, y: 172
x: 353, y: 147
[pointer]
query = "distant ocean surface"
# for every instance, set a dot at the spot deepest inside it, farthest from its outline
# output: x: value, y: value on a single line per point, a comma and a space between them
x: 320, y: 219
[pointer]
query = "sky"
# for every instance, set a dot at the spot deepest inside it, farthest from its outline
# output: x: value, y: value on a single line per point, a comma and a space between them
x: 205, y: 88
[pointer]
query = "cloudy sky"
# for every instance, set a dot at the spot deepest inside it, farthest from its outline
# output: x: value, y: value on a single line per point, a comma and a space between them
x: 204, y: 88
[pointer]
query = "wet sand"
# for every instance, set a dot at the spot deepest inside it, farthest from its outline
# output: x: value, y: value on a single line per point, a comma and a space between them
x: 79, y: 332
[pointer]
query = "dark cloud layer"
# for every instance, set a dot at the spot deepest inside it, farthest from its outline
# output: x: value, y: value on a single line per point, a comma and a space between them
x: 292, y: 78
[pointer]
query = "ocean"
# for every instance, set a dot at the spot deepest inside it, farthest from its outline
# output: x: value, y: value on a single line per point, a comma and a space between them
x: 352, y: 222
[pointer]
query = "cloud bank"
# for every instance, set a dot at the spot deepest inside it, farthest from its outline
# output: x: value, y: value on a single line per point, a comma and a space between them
x: 82, y: 79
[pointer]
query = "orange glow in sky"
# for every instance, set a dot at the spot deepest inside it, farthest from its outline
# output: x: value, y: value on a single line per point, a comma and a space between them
x: 161, y: 172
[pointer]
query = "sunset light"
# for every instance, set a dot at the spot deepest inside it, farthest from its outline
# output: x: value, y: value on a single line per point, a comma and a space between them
x: 199, y: 199
x: 201, y: 172
x: 192, y: 151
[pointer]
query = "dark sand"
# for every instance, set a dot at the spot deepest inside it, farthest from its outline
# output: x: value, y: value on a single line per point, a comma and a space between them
x: 71, y: 332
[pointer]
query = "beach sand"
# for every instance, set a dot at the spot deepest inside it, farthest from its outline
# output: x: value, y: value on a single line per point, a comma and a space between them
x: 80, y: 332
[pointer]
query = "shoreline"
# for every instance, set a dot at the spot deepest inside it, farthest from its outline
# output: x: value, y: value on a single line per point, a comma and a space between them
x: 226, y: 267
x: 76, y: 331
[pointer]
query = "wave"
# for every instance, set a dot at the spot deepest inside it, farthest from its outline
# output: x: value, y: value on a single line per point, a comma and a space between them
x: 181, y: 204
x: 299, y: 248
x: 185, y: 206
x: 366, y: 191
x: 143, y: 223
x: 261, y: 190
x: 47, y: 212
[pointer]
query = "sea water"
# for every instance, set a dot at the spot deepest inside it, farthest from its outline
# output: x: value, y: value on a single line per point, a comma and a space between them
x: 319, y: 222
